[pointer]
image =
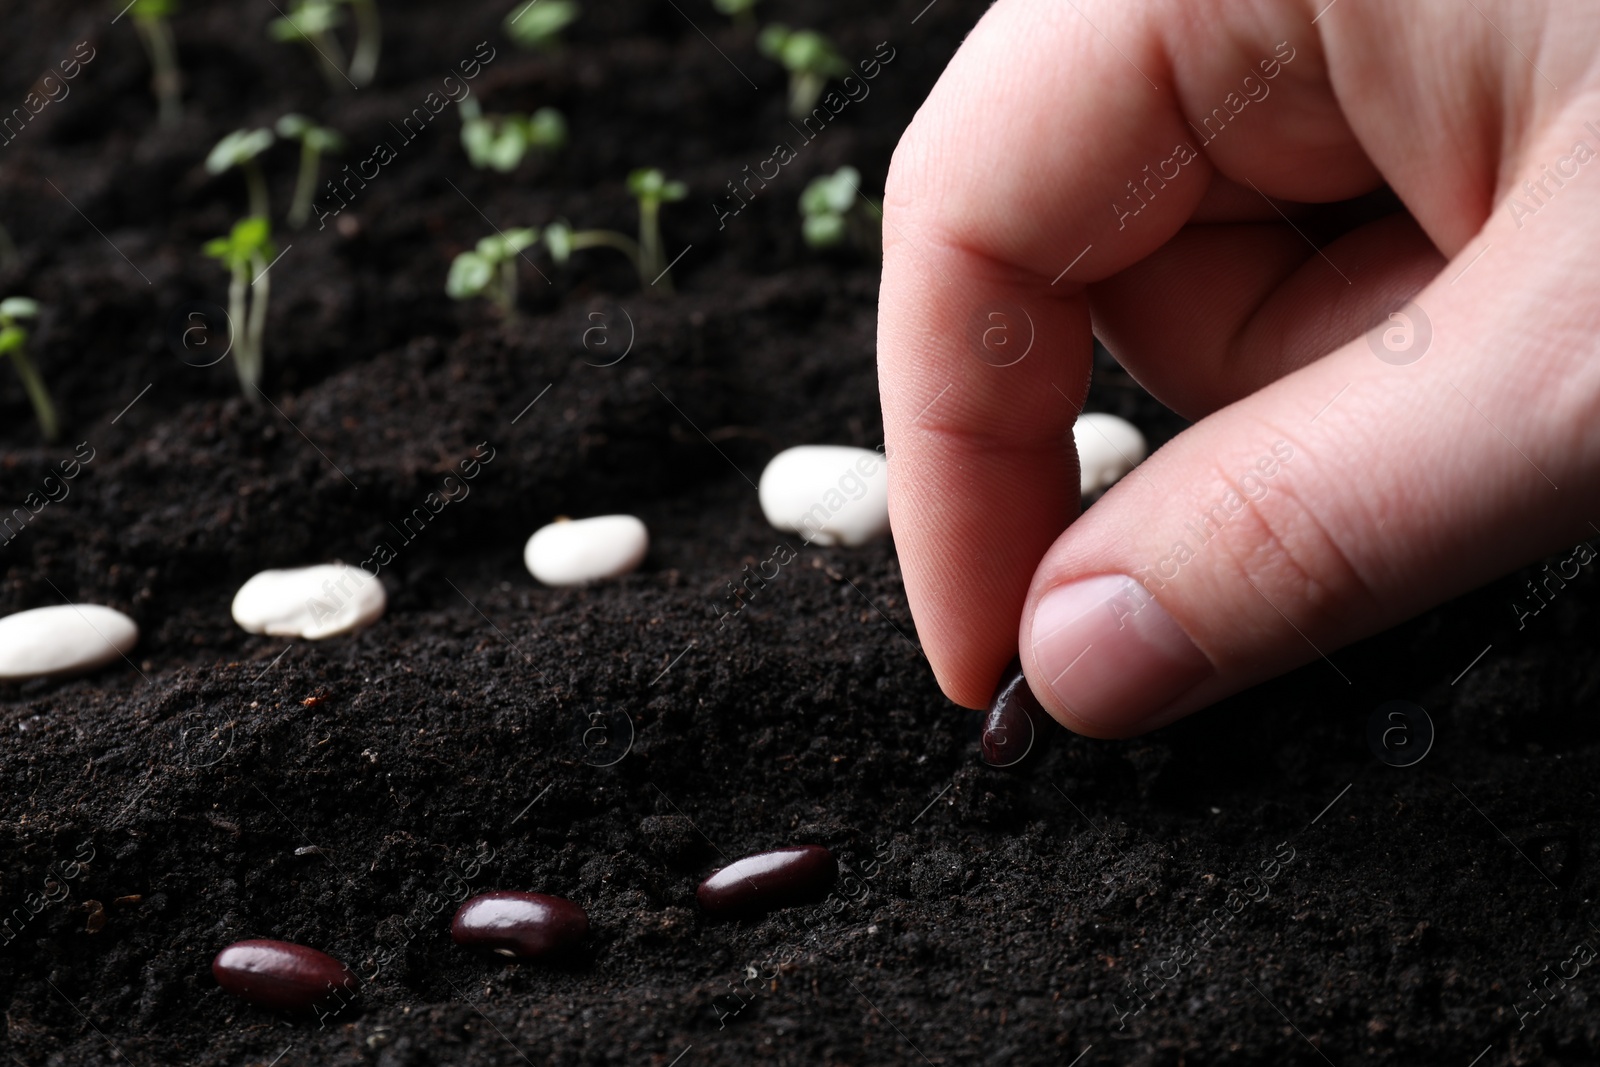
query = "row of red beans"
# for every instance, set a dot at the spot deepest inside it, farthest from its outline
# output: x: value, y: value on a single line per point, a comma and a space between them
x: 528, y: 926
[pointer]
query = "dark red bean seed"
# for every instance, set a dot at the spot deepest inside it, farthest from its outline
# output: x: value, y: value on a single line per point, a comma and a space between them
x: 523, y: 925
x: 1015, y: 725
x: 280, y: 974
x: 767, y: 880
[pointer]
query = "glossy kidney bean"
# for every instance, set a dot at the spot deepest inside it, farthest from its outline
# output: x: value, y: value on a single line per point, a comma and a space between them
x: 521, y: 925
x: 777, y: 879
x: 280, y: 974
x: 1015, y: 725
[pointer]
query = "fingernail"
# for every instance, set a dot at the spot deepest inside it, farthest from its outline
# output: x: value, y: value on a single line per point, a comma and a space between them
x: 1111, y: 654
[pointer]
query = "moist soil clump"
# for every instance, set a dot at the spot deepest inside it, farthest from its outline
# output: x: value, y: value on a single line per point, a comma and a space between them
x: 1252, y: 886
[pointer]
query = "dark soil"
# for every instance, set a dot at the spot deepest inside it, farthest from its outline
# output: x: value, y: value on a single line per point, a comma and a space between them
x: 224, y: 786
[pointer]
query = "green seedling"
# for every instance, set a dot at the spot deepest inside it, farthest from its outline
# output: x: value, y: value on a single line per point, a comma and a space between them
x: 742, y: 12
x: 832, y: 212
x: 312, y: 23
x: 490, y: 270
x: 240, y: 149
x: 500, y: 142
x: 13, y: 343
x: 314, y: 141
x: 652, y: 189
x: 538, y: 23
x: 246, y: 252
x: 155, y: 34
x: 810, y: 60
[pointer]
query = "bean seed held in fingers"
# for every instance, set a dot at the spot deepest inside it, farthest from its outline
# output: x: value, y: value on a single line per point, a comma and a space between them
x: 1108, y: 448
x: 521, y: 925
x: 280, y: 974
x: 1015, y: 725
x: 778, y: 879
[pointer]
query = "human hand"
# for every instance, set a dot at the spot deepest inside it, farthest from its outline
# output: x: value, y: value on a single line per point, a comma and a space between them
x: 1345, y: 472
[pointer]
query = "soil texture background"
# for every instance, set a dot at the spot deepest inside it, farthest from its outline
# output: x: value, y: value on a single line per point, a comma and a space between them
x: 617, y: 743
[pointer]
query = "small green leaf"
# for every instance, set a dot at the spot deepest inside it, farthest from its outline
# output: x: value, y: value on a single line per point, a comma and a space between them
x: 477, y: 137
x: 12, y: 338
x: 18, y: 307
x: 832, y: 194
x: 809, y: 52
x: 253, y: 235
x: 645, y: 182
x: 536, y: 24
x: 520, y: 238
x: 152, y: 9
x: 249, y: 237
x: 470, y: 275
x: 308, y: 19
x: 238, y: 147
x: 546, y: 128
x: 558, y: 239
x: 510, y: 144
x: 823, y: 231
x: 322, y: 139
x: 648, y: 183
x: 499, y: 247
x: 293, y: 126
x: 771, y: 39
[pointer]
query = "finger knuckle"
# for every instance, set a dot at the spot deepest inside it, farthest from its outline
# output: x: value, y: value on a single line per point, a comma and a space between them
x: 1298, y: 558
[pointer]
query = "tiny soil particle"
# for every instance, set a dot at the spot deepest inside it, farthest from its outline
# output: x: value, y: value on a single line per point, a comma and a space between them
x: 279, y: 974
x: 778, y: 879
x: 520, y: 925
x: 1015, y: 725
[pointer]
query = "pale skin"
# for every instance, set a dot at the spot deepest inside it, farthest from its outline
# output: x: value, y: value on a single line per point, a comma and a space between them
x: 1411, y: 480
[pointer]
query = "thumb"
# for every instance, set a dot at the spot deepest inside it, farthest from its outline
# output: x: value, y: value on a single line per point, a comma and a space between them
x: 1447, y: 446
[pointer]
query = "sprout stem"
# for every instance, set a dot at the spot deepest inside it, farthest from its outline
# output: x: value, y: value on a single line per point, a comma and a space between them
x: 257, y: 184
x: 805, y: 88
x: 330, y: 57
x: 505, y: 297
x: 38, y: 395
x: 305, y: 186
x: 257, y: 326
x: 243, y: 363
x: 369, y: 40
x: 165, y: 81
x: 627, y: 246
x: 607, y: 239
x: 652, y: 261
